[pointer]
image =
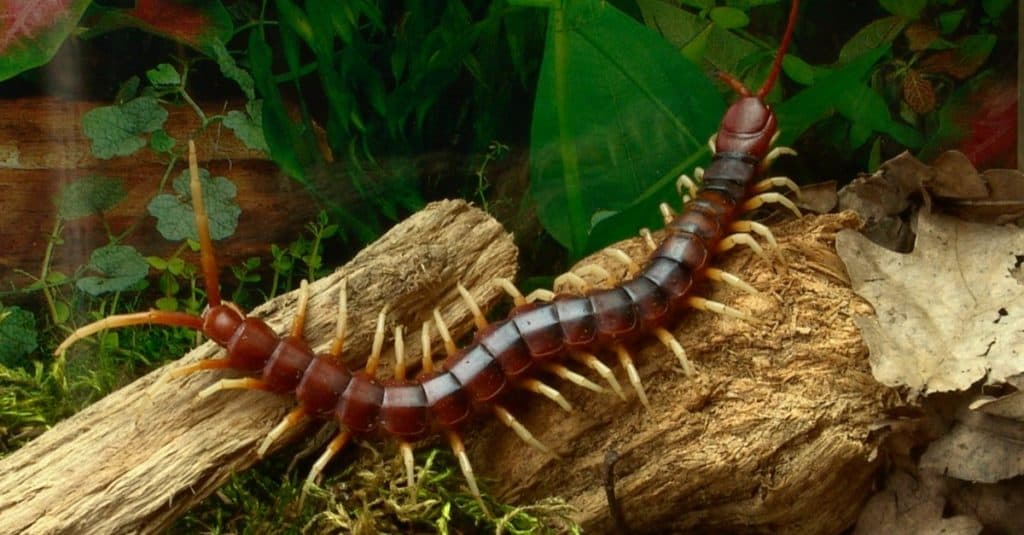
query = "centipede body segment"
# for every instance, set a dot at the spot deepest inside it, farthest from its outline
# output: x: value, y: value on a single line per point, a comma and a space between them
x: 543, y: 332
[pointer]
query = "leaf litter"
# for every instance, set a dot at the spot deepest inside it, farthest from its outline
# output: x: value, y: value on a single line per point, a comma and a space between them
x: 948, y: 329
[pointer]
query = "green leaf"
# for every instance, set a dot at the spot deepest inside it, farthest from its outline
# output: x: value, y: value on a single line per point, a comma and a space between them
x: 248, y: 127
x: 120, y: 267
x: 950, y: 20
x: 31, y: 32
x: 729, y: 18
x: 878, y: 33
x: 908, y: 9
x: 868, y: 112
x: 798, y: 70
x: 232, y: 71
x: 117, y: 130
x: 163, y: 75
x: 995, y: 8
x: 17, y: 335
x: 161, y: 141
x: 610, y: 123
x: 167, y: 304
x: 88, y: 196
x: 175, y: 218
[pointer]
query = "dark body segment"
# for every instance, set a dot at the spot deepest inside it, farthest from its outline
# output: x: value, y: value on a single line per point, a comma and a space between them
x: 688, y: 250
x: 287, y: 364
x: 502, y: 339
x: 616, y: 316
x: 651, y: 302
x: 576, y: 315
x: 360, y: 404
x: 403, y: 411
x: 540, y: 329
x: 321, y: 386
x: 672, y: 279
x: 251, y: 345
x: 446, y: 399
x: 478, y: 371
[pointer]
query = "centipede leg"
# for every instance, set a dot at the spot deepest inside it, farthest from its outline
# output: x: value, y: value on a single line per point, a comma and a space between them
x: 151, y: 317
x: 206, y: 364
x: 409, y: 462
x: 620, y: 256
x: 596, y: 270
x: 756, y: 228
x: 511, y: 290
x: 774, y: 154
x: 711, y: 142
x: 474, y: 307
x: 708, y: 305
x: 299, y: 323
x: 446, y: 336
x: 777, y: 182
x: 686, y: 182
x: 459, y: 449
x: 573, y: 377
x: 338, y: 345
x: 718, y: 275
x: 758, y: 201
x: 378, y: 342
x: 521, y: 431
x: 605, y: 372
x: 332, y: 449
x: 537, y: 387
x: 645, y: 233
x: 290, y: 420
x: 676, y: 348
x: 574, y: 280
x: 667, y: 213
x: 733, y: 240
x: 427, y: 365
x: 242, y: 383
x: 540, y: 294
x: 626, y: 361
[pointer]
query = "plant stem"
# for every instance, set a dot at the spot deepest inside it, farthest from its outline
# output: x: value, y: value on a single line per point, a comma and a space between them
x: 45, y: 271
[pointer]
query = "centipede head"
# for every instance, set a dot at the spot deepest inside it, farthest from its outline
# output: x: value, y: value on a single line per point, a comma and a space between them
x: 748, y: 127
x: 221, y: 321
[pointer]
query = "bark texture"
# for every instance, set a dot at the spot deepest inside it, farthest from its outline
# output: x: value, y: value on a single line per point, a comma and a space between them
x: 773, y: 435
x: 139, y: 458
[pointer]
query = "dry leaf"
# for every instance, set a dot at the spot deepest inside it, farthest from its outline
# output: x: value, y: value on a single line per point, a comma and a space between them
x: 919, y: 35
x: 949, y: 313
x: 956, y: 177
x: 911, y: 506
x: 918, y: 92
x: 981, y: 448
x: 820, y: 198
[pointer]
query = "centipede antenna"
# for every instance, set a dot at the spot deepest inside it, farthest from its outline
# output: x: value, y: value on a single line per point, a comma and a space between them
x: 626, y: 361
x: 787, y: 37
x: 511, y: 290
x: 774, y: 154
x: 778, y: 182
x: 540, y: 294
x: 598, y: 271
x: 339, y: 331
x: 289, y: 421
x: 410, y: 466
x: 242, y: 383
x: 442, y: 328
x: 521, y: 431
x: 206, y: 257
x: 756, y: 228
x: 478, y: 316
x: 205, y: 364
x: 741, y: 238
x: 757, y: 201
x: 645, y: 233
x: 330, y: 451
x: 300, y: 313
x: 605, y: 372
x: 459, y: 449
x: 620, y: 256
x: 537, y: 387
x: 667, y: 214
x: 561, y: 371
x: 676, y: 348
x: 718, y: 275
x: 399, y: 354
x: 573, y: 280
x: 427, y: 365
x: 685, y: 182
x: 150, y: 317
x: 708, y: 305
x: 378, y: 342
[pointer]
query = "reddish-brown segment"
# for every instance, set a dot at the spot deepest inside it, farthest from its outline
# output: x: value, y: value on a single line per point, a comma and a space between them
x: 504, y: 353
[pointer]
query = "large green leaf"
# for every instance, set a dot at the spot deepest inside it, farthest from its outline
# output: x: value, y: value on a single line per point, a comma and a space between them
x: 201, y: 24
x: 31, y: 31
x: 618, y: 113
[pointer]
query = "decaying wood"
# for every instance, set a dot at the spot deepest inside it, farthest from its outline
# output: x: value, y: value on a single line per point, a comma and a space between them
x: 774, y: 435
x: 137, y: 459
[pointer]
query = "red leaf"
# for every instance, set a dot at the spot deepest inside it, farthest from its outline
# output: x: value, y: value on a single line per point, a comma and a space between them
x: 196, y: 25
x: 990, y: 118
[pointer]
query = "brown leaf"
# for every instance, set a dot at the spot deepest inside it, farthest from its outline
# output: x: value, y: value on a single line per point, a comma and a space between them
x: 983, y: 448
x: 1004, y: 203
x: 948, y: 314
x: 908, y: 505
x: 820, y: 198
x: 956, y: 178
x: 920, y: 34
x: 882, y: 198
x: 918, y: 92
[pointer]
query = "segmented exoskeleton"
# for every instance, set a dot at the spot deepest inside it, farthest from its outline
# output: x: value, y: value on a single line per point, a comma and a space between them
x: 539, y: 333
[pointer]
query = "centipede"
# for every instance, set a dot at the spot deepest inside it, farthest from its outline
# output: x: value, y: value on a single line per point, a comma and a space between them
x: 543, y: 331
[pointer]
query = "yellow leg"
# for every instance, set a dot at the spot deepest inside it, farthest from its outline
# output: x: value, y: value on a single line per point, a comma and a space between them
x: 378, y: 342
x: 474, y: 308
x: 459, y: 449
x: 290, y: 420
x: 244, y: 383
x: 521, y: 431
x: 626, y: 361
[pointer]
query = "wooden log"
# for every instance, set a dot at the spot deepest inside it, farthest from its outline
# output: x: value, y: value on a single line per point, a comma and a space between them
x: 774, y: 435
x: 139, y: 458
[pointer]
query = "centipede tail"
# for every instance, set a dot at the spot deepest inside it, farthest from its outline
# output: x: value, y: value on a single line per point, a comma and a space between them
x: 543, y: 332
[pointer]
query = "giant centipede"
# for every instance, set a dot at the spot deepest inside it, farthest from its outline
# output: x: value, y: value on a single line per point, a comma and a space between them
x: 541, y: 332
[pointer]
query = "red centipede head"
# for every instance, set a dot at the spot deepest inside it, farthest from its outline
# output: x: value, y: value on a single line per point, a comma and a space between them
x: 220, y: 323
